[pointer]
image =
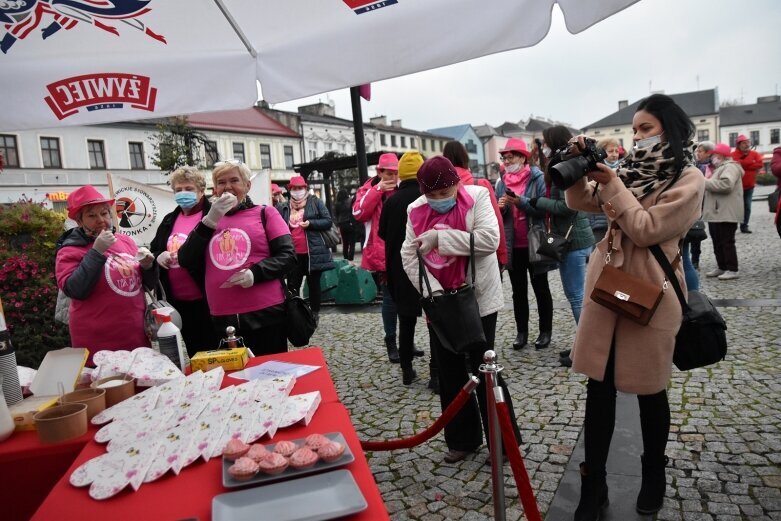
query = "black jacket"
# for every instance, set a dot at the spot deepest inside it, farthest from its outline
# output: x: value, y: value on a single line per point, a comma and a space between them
x: 160, y: 243
x: 282, y: 259
x: 319, y: 218
x: 393, y: 228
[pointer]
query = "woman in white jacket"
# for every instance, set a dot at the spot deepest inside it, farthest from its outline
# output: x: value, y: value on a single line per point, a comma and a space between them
x: 439, y: 225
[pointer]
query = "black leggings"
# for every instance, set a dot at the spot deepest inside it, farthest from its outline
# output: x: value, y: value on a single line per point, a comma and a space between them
x: 296, y: 277
x: 520, y: 285
x: 601, y: 418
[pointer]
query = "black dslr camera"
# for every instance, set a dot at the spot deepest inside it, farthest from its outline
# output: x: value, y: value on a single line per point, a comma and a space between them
x: 566, y: 173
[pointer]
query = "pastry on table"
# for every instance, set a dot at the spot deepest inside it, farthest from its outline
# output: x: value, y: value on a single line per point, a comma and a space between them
x: 243, y: 469
x: 303, y: 458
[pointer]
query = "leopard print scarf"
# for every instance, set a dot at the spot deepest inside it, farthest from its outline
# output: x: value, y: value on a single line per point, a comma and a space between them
x: 644, y: 170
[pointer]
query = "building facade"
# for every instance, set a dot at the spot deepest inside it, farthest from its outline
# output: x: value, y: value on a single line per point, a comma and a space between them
x: 761, y: 122
x: 466, y: 135
x: 396, y: 138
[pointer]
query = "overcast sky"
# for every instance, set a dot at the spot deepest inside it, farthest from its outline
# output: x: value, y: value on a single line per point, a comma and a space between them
x: 654, y: 45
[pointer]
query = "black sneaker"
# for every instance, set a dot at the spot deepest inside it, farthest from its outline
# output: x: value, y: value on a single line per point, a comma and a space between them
x: 565, y: 361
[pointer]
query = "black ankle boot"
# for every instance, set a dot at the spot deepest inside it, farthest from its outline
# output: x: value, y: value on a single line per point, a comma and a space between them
x: 651, y: 496
x: 393, y: 351
x: 543, y: 340
x: 521, y: 340
x: 408, y: 375
x: 593, y: 494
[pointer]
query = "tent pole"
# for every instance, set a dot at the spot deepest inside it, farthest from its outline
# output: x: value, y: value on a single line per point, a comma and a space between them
x: 360, y: 143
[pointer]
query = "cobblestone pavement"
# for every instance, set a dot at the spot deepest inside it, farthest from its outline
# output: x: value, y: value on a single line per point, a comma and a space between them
x: 725, y: 444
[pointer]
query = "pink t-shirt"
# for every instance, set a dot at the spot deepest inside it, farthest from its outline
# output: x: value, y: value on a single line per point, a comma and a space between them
x: 112, y: 317
x: 298, y: 233
x: 239, y: 242
x: 183, y: 287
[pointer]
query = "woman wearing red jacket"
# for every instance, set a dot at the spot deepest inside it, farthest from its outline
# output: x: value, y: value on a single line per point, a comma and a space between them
x: 751, y: 161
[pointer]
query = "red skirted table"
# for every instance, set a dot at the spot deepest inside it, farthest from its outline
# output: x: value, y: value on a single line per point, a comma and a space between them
x: 189, y: 495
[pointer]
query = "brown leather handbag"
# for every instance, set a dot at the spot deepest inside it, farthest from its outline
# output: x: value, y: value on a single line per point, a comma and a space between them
x: 628, y: 295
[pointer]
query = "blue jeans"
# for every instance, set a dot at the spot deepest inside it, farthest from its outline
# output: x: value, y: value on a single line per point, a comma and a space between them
x: 689, y: 273
x: 747, y: 195
x: 573, y: 277
x: 388, y: 312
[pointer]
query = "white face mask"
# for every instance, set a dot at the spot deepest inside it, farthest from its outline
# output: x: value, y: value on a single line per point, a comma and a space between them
x: 715, y: 161
x: 546, y: 151
x: 513, y: 169
x: 649, y: 141
x: 297, y: 194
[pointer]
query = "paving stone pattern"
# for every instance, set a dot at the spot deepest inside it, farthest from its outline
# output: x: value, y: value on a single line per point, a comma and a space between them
x: 725, y: 444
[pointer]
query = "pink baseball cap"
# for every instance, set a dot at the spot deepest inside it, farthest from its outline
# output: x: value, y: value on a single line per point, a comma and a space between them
x: 741, y: 138
x: 388, y: 161
x: 721, y: 149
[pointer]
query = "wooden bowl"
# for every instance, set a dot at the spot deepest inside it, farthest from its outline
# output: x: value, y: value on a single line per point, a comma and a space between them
x: 116, y: 392
x: 95, y: 398
x: 61, y: 422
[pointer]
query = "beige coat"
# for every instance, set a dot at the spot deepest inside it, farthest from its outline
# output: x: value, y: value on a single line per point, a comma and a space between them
x: 481, y: 219
x: 723, y: 201
x: 643, y: 357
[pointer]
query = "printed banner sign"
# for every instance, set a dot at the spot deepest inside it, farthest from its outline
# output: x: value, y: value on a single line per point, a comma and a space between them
x: 140, y: 208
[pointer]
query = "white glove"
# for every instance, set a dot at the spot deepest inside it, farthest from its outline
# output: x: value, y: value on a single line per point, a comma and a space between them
x: 145, y: 257
x: 103, y: 241
x: 427, y: 241
x: 219, y: 208
x: 164, y: 260
x: 243, y: 278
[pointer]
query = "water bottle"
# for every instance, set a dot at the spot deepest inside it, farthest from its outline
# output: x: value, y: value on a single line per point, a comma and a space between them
x: 170, y: 340
x: 11, y: 388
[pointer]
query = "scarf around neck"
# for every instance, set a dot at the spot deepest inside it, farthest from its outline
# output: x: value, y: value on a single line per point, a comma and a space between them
x: 517, y: 182
x: 645, y: 170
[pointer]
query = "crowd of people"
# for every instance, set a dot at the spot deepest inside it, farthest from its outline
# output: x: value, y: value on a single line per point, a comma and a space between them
x: 226, y: 261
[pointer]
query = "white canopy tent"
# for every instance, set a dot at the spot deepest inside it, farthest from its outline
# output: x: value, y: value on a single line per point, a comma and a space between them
x: 76, y: 62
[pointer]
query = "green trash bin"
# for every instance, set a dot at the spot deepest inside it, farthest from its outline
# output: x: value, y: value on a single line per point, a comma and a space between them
x: 329, y: 280
x: 356, y: 286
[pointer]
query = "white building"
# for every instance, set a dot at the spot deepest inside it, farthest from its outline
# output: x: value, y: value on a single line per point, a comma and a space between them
x: 396, y: 138
x: 761, y: 122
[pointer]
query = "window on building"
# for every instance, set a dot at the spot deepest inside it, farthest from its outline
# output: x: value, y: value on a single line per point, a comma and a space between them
x: 775, y: 136
x: 621, y: 141
x: 471, y: 147
x: 733, y: 137
x: 97, y: 153
x: 383, y: 140
x: 703, y: 135
x: 441, y: 145
x: 288, y: 157
x: 212, y: 156
x: 238, y: 152
x: 265, y: 156
x: 312, y: 154
x: 136, y: 150
x: 50, y: 151
x: 412, y: 143
x: 328, y: 146
x: 473, y: 166
x: 393, y: 141
x: 403, y: 141
x: 754, y: 135
x: 9, y: 151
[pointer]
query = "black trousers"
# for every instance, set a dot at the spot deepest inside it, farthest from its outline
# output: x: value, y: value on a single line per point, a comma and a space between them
x: 296, y: 278
x: 267, y: 339
x: 723, y: 237
x: 407, y: 325
x: 348, y: 240
x: 601, y: 418
x: 464, y: 431
x: 197, y: 329
x: 520, y: 267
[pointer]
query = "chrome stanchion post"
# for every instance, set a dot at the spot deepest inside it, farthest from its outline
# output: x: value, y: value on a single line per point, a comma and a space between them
x: 491, y: 371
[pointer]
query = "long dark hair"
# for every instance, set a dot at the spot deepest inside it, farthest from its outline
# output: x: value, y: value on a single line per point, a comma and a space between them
x: 678, y: 128
x: 555, y: 137
x: 456, y: 153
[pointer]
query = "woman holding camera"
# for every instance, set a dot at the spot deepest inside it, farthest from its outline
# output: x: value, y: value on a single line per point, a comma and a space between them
x: 518, y: 186
x: 652, y: 199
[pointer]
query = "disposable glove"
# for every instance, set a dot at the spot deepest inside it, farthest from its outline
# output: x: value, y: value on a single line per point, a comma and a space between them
x: 164, y: 260
x: 145, y: 258
x: 427, y: 241
x: 243, y: 278
x: 219, y: 208
x: 103, y: 241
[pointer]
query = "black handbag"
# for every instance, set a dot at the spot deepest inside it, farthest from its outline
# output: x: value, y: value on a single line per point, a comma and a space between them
x: 331, y: 236
x: 697, y: 231
x: 552, y: 245
x: 454, y: 315
x: 772, y: 201
x: 300, y: 323
x: 702, y: 338
x: 539, y: 263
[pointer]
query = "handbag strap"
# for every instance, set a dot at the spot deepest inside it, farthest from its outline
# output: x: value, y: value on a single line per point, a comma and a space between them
x: 423, y: 275
x: 661, y: 258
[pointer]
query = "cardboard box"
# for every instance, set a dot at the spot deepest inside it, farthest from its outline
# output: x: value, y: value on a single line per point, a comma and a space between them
x: 228, y: 359
x: 60, y: 366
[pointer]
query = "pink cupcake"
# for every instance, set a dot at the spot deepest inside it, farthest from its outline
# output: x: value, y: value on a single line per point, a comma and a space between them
x: 235, y: 449
x: 303, y: 458
x: 315, y: 441
x: 331, y: 451
x: 274, y: 463
x: 286, y: 448
x: 243, y: 469
x: 258, y: 452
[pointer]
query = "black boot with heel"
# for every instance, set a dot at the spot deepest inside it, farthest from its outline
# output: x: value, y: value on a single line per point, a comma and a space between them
x: 393, y: 351
x: 651, y: 496
x: 593, y: 494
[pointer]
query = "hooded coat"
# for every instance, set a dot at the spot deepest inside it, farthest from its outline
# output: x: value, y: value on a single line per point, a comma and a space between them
x: 723, y: 201
x: 367, y: 210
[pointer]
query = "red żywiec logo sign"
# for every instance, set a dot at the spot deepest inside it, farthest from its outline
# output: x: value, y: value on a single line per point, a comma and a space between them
x: 364, y: 6
x: 100, y: 91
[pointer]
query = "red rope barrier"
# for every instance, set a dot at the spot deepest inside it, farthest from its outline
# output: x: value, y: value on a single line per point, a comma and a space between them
x: 516, y: 463
x: 431, y: 431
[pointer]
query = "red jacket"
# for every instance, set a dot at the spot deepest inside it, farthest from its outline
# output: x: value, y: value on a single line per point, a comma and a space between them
x: 775, y: 166
x: 751, y: 162
x: 467, y: 179
x: 367, y: 210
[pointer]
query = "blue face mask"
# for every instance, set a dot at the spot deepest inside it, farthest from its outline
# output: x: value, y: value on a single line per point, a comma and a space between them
x: 613, y: 164
x: 442, y: 205
x: 186, y: 199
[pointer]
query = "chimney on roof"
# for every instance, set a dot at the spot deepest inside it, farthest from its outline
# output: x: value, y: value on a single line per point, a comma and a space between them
x: 318, y: 109
x: 623, y: 103
x: 396, y: 123
x: 769, y: 99
x: 379, y: 120
x: 263, y: 104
